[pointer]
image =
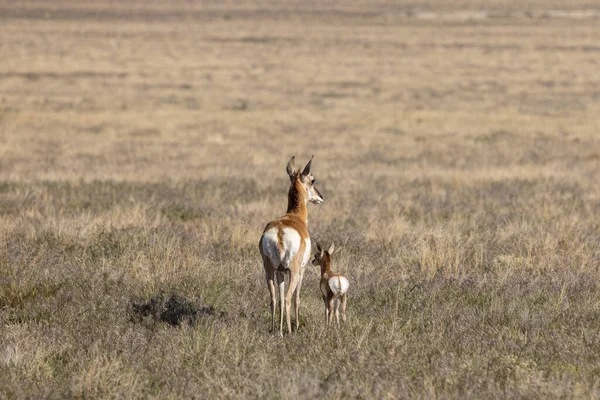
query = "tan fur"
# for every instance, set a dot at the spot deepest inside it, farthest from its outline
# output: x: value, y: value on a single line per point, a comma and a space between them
x: 295, y: 218
x: 323, y: 259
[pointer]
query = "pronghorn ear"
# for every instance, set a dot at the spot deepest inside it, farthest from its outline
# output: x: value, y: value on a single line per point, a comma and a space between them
x: 319, y: 249
x: 291, y: 167
x: 331, y: 249
x: 306, y: 171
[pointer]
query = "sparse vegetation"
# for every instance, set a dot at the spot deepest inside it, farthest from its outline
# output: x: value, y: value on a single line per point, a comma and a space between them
x: 143, y: 148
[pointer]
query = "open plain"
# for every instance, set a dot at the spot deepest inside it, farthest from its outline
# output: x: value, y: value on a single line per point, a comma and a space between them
x: 143, y: 147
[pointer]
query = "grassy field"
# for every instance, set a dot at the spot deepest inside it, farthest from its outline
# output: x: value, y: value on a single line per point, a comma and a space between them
x: 143, y: 150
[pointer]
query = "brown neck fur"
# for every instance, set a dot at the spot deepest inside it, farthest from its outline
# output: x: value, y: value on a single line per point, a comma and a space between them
x: 297, y: 200
x: 326, y: 264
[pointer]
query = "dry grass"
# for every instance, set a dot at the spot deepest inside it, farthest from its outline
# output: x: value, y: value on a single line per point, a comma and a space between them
x: 143, y: 149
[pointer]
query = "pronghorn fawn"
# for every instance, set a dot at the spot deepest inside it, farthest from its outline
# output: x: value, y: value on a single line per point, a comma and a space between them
x: 285, y: 244
x: 334, y: 287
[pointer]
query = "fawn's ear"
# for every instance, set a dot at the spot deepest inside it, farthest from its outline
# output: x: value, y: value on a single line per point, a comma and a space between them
x: 319, y: 249
x: 291, y: 168
x: 331, y: 249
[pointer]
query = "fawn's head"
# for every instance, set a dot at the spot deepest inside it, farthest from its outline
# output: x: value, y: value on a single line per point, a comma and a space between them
x: 304, y: 181
x: 323, y: 257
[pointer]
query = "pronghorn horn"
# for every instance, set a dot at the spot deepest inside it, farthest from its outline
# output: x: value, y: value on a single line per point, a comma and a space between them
x: 331, y: 249
x: 306, y: 171
x: 291, y: 167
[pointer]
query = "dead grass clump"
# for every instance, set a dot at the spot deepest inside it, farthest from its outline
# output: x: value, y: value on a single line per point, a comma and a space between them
x: 106, y: 377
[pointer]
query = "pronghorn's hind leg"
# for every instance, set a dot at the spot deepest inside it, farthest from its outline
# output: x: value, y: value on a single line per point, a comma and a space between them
x: 330, y: 298
x: 294, y: 279
x: 297, y: 299
x: 270, y: 278
x: 336, y: 306
x: 281, y: 284
x: 326, y: 308
x: 343, y: 299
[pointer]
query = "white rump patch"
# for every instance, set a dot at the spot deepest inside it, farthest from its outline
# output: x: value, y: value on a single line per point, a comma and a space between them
x: 291, y: 246
x: 338, y: 284
x: 270, y: 248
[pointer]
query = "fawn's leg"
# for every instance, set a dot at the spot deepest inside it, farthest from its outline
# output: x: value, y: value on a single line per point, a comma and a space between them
x: 343, y: 306
x: 329, y: 308
x: 326, y: 309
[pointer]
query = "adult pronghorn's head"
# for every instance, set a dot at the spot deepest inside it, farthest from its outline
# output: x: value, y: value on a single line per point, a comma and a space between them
x: 322, y: 256
x: 304, y: 181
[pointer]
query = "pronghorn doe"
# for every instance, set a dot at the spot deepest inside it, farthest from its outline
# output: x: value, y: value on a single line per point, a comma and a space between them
x: 285, y: 244
x: 333, y: 286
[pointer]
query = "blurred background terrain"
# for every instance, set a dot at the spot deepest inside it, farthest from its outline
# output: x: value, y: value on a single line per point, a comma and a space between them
x: 143, y: 148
